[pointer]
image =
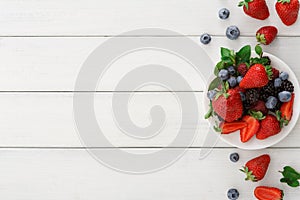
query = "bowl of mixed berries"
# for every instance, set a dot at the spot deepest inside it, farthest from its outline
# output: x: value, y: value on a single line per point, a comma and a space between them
x: 252, y: 98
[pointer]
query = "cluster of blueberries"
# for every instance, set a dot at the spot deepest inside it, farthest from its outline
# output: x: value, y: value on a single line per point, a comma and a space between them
x: 232, y: 32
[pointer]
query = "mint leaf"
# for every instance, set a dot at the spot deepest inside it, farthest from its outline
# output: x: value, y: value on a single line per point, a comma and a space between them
x: 215, y: 83
x: 225, y: 52
x: 290, y: 176
x: 244, y: 54
x: 258, y: 50
x: 218, y: 67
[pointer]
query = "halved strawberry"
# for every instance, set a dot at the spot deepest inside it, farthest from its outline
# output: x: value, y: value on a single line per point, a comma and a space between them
x: 248, y: 132
x: 287, y: 109
x: 268, y: 193
x: 230, y: 127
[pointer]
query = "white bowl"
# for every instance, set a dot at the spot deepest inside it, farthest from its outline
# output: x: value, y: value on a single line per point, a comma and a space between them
x: 254, y: 144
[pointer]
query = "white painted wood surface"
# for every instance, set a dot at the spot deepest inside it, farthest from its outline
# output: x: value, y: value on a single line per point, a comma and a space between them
x: 100, y: 17
x: 52, y: 64
x: 42, y: 47
x: 72, y: 174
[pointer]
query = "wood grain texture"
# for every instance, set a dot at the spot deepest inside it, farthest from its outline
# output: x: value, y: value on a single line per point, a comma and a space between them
x: 100, y: 17
x: 46, y: 120
x: 52, y: 64
x: 74, y: 174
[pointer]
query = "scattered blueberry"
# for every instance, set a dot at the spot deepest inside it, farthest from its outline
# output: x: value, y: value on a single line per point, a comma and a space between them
x: 233, y: 194
x: 231, y: 70
x: 234, y: 157
x: 233, y: 32
x: 223, y: 74
x: 271, y: 102
x: 205, y: 38
x: 277, y: 82
x: 232, y: 82
x: 284, y: 76
x: 284, y: 96
x: 211, y: 94
x: 243, y: 97
x: 239, y: 79
x: 224, y: 13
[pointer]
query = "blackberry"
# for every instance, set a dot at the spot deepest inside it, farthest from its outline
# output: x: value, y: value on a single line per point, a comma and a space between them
x: 287, y: 85
x: 269, y: 60
x: 269, y: 90
x: 252, y: 96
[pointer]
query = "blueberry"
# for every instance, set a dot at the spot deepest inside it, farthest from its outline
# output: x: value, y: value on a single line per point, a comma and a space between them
x: 277, y: 82
x: 234, y: 157
x: 231, y: 70
x: 224, y: 13
x: 284, y: 96
x: 243, y: 97
x: 205, y: 38
x: 232, y: 82
x: 211, y: 94
x: 223, y: 74
x: 239, y: 79
x: 271, y: 102
x: 233, y: 32
x: 233, y: 194
x: 284, y: 76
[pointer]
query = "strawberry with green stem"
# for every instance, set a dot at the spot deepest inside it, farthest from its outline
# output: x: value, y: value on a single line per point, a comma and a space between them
x: 257, y: 9
x: 257, y: 76
x: 288, y: 11
x: 269, y: 126
x: 256, y: 168
x: 265, y: 35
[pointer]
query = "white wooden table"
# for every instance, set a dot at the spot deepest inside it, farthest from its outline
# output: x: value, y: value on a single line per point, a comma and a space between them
x: 43, y: 45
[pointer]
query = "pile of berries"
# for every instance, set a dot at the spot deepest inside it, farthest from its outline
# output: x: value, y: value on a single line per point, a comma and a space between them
x: 250, y: 95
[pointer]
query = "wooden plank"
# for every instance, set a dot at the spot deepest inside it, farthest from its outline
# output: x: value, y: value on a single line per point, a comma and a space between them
x: 52, y: 64
x: 99, y: 17
x: 74, y: 174
x: 46, y: 120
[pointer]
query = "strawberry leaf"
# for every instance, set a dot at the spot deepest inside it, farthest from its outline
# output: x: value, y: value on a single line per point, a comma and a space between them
x: 269, y: 72
x: 257, y: 115
x: 209, y: 112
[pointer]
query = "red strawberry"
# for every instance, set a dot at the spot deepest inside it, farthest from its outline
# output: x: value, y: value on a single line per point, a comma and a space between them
x: 287, y: 10
x: 275, y: 73
x: 257, y: 9
x: 252, y: 127
x: 231, y: 108
x: 229, y: 127
x: 266, y: 35
x: 260, y: 106
x: 268, y: 193
x: 257, y: 168
x: 268, y: 127
x: 287, y: 109
x: 257, y: 76
x: 242, y: 69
